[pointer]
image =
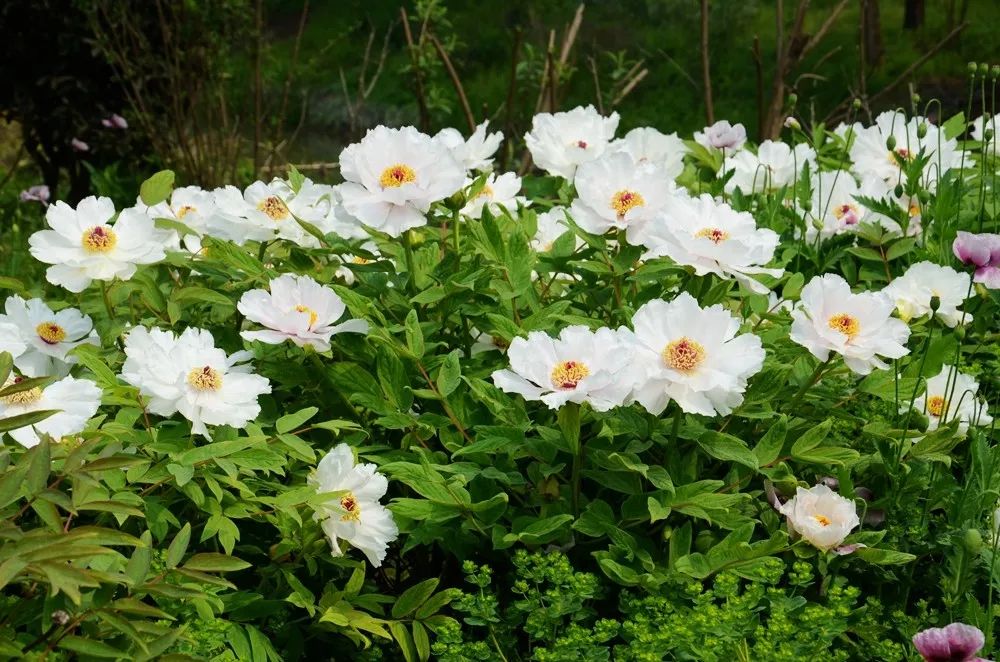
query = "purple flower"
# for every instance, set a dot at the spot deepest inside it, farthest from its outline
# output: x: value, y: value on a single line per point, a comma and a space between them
x: 957, y: 642
x: 79, y: 145
x: 722, y: 135
x: 116, y: 121
x: 38, y: 193
x: 983, y: 252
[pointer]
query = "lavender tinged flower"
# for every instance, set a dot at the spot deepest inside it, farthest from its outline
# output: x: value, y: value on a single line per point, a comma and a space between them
x: 953, y: 643
x: 983, y: 252
x: 78, y: 145
x: 38, y: 193
x: 114, y: 122
x: 722, y: 135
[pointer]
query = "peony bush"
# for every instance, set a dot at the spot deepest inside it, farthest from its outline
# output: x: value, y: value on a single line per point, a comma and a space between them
x: 664, y: 398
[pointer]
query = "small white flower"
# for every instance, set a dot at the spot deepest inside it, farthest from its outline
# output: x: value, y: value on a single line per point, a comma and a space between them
x: 83, y: 244
x: 551, y: 225
x: 483, y: 342
x: 76, y: 401
x: 473, y: 154
x: 951, y: 395
x: 835, y: 204
x: 394, y: 175
x: 47, y: 336
x: 692, y: 355
x: 197, y: 209
x: 346, y: 261
x: 821, y: 516
x: 714, y: 238
x: 722, y: 135
x: 559, y: 142
x: 912, y: 292
x: 579, y: 366
x: 860, y: 327
x: 498, y: 194
x: 188, y: 374
x: 647, y: 145
x: 872, y: 157
x: 615, y: 193
x: 298, y: 309
x: 238, y: 221
x: 773, y: 166
x: 355, y: 516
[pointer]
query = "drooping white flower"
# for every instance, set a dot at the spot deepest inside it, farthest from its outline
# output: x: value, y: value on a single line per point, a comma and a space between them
x: 473, y: 154
x: 691, y: 355
x: 83, y: 244
x: 722, y: 135
x: 821, y: 516
x: 356, y: 515
x: 188, y: 374
x: 860, y: 327
x: 498, y: 194
x: 872, y: 157
x: 713, y: 238
x: 579, y: 366
x: 559, y: 142
x: 912, y: 292
x: 616, y: 193
x: 647, y: 145
x: 550, y: 226
x: 76, y: 400
x: 394, y: 175
x: 773, y: 166
x: 47, y: 336
x: 298, y: 309
x: 951, y: 395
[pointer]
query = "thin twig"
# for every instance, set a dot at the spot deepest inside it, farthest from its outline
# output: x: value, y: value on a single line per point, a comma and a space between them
x: 455, y: 81
x: 706, y: 73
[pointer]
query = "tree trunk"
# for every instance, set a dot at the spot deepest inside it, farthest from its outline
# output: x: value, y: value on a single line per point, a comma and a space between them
x: 871, y: 32
x: 913, y: 14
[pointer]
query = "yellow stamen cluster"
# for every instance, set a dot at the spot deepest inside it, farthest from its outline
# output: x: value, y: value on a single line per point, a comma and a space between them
x: 936, y: 405
x: 900, y: 156
x: 312, y: 313
x: 396, y: 175
x: 99, y: 239
x: 486, y: 191
x: 350, y: 504
x: 50, y: 333
x: 684, y: 354
x: 624, y: 201
x: 184, y: 211
x: 568, y: 374
x: 274, y: 208
x: 846, y: 324
x: 21, y: 397
x: 822, y: 520
x: 715, y: 235
x: 205, y: 379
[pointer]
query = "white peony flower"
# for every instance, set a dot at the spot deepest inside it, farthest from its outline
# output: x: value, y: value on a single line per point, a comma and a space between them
x: 298, y: 309
x: 952, y: 395
x: 356, y: 515
x: 821, y: 516
x: 692, y: 355
x: 559, y: 142
x: 76, y: 401
x: 394, y: 175
x: 857, y: 326
x: 912, y: 292
x: 10, y: 340
x: 238, y: 221
x: 647, y: 145
x: 344, y: 270
x: 340, y: 223
x: 197, y: 209
x: 872, y: 157
x: 483, y: 342
x: 47, y: 336
x: 722, y: 135
x: 713, y: 238
x: 499, y: 194
x: 473, y: 154
x: 550, y: 226
x: 84, y: 246
x: 579, y: 366
x: 188, y: 374
x: 774, y: 166
x: 616, y: 193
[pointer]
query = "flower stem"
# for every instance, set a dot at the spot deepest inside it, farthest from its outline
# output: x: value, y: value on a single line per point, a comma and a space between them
x: 107, y: 301
x: 817, y: 373
x: 569, y: 422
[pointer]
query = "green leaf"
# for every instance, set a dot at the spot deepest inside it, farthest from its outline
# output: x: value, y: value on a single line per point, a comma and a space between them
x: 726, y: 447
x: 450, y: 374
x: 883, y: 556
x: 178, y: 546
x: 414, y: 335
x: 38, y: 471
x: 812, y: 438
x: 768, y: 449
x: 421, y: 641
x: 413, y: 597
x: 90, y: 648
x: 157, y: 188
x: 213, y: 562
x: 290, y: 422
x: 202, y: 294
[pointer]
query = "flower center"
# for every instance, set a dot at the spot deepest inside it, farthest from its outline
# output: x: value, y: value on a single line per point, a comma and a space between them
x: 582, y: 144
x: 900, y: 156
x: 914, y: 209
x: 275, y: 209
x: 715, y: 235
x: 21, y: 397
x: 846, y: 213
x: 50, y: 333
x: 312, y: 313
x: 99, y: 239
x: 567, y: 375
x: 187, y: 209
x: 822, y: 520
x: 205, y: 379
x: 936, y: 405
x: 624, y: 201
x: 396, y: 175
x: 846, y: 324
x: 684, y: 355
x: 349, y: 503
x: 361, y: 260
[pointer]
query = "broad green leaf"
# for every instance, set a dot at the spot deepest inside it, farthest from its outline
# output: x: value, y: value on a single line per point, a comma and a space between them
x: 157, y: 188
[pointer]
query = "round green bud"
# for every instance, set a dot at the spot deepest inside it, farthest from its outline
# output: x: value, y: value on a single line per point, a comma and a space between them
x: 973, y: 541
x: 922, y: 130
x: 972, y: 68
x: 898, y: 190
x: 984, y: 69
x: 856, y: 104
x: 890, y: 143
x: 935, y: 303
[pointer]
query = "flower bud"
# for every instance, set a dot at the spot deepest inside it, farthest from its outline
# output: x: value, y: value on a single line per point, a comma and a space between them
x: 922, y: 130
x: 817, y: 224
x: 807, y: 205
x: 972, y: 541
x: 935, y: 303
x: 60, y: 617
x: 987, y: 135
x: 890, y: 143
x: 924, y: 196
x: 914, y: 98
x: 856, y: 104
x: 793, y: 99
x: 984, y: 69
x: 995, y: 71
x: 960, y: 332
x: 898, y: 191
x: 972, y: 68
x: 792, y: 123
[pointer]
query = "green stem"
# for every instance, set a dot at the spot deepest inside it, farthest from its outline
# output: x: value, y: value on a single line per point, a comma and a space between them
x: 569, y: 423
x: 107, y: 301
x: 314, y: 357
x: 809, y: 383
x: 408, y: 252
x: 456, y: 225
